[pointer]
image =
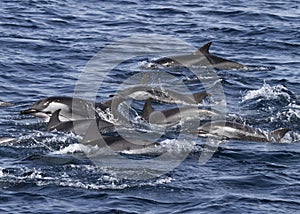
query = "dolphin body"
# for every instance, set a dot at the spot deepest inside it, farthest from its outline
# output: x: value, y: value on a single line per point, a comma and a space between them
x: 78, y: 126
x: 115, y: 143
x: 201, y: 57
x: 159, y: 94
x: 71, y: 108
x: 230, y: 130
x: 174, y: 115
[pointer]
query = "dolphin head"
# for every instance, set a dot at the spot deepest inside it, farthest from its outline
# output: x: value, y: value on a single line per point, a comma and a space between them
x: 46, y: 107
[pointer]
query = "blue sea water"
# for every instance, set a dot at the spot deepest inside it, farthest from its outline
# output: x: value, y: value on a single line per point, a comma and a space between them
x: 45, y: 47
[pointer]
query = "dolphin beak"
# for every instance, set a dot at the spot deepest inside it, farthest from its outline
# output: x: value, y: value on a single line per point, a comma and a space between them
x: 29, y: 111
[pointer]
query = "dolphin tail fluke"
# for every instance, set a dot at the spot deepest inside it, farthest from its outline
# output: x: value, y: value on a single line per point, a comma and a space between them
x: 205, y: 48
x: 278, y: 134
x: 200, y: 96
x: 147, y: 110
x: 54, y: 120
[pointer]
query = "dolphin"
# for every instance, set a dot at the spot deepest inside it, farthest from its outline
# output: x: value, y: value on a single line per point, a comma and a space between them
x: 174, y: 115
x: 201, y: 57
x: 159, y: 94
x: 115, y: 143
x: 5, y: 104
x: 230, y: 130
x: 156, y: 93
x: 71, y: 108
x: 77, y: 126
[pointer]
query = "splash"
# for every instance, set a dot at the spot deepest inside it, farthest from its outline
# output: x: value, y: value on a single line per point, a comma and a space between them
x: 75, y: 148
x: 291, y: 137
x: 268, y: 92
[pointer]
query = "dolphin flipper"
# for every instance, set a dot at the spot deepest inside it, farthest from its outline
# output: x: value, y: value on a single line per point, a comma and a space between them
x: 92, y: 135
x: 54, y: 120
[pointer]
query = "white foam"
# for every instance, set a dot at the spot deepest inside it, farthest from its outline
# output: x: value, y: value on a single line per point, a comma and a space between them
x: 289, y: 113
x: 294, y: 110
x: 177, y: 146
x: 106, y: 115
x: 1, y: 172
x: 76, y: 147
x: 268, y: 92
x: 164, y: 180
x: 290, y: 137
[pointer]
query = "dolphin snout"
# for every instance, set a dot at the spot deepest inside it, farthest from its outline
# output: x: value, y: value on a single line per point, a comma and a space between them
x: 28, y: 111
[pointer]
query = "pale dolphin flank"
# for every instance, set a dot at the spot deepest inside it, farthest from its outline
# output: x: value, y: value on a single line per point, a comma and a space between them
x: 115, y: 143
x: 159, y: 94
x: 6, y: 140
x: 201, y: 57
x: 230, y: 130
x: 5, y: 104
x: 71, y: 108
x: 174, y: 115
x: 78, y: 126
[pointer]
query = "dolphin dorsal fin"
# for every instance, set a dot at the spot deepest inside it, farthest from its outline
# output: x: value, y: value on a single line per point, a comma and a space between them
x: 147, y: 110
x: 205, y: 48
x: 200, y: 96
x: 277, y: 134
x: 54, y: 120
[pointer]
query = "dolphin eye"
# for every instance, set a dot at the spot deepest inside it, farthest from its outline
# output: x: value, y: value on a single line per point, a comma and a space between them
x: 46, y: 104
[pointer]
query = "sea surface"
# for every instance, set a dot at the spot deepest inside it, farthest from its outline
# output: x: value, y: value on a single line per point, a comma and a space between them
x: 46, y: 47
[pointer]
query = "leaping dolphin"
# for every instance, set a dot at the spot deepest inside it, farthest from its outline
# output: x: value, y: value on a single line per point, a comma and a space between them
x: 201, y: 57
x: 174, y: 115
x: 71, y: 108
x: 230, y: 130
x: 78, y: 126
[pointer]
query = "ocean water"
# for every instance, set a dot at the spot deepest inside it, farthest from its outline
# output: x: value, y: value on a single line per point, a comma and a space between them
x: 46, y: 48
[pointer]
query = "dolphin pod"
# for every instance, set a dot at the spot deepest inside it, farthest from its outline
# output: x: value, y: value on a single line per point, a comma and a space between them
x: 201, y: 57
x: 55, y: 108
x: 81, y: 116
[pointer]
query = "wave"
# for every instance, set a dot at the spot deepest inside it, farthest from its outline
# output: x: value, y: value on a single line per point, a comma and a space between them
x: 268, y: 92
